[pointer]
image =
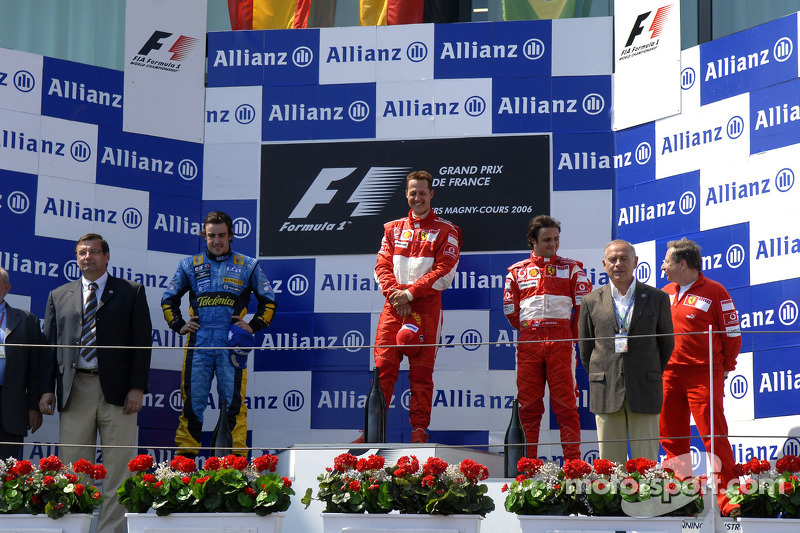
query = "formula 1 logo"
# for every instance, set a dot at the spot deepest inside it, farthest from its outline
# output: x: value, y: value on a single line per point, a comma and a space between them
x: 152, y: 55
x: 656, y: 27
x: 373, y: 192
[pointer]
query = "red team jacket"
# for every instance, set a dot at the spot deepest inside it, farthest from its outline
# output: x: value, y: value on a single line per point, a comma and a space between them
x: 705, y: 303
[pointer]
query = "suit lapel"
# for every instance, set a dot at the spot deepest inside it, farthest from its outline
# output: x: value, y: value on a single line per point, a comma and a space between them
x: 607, y: 301
x: 640, y: 302
x: 12, y: 319
x: 109, y: 291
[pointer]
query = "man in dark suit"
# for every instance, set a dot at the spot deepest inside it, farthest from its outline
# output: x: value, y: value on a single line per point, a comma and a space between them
x: 98, y: 388
x: 625, y: 368
x: 19, y: 373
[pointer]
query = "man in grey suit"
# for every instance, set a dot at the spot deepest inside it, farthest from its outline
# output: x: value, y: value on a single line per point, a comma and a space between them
x: 625, y: 388
x: 98, y: 389
x: 19, y: 373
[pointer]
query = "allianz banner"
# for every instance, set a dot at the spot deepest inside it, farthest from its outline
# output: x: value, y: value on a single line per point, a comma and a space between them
x: 333, y: 198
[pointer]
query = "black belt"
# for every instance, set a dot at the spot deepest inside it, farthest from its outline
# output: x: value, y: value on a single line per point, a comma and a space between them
x: 92, y: 371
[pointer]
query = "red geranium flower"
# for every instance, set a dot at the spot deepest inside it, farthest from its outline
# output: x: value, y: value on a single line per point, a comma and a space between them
x: 82, y: 466
x: 140, y: 463
x: 286, y: 482
x: 183, y: 464
x: 212, y: 463
x: 249, y: 491
x: 434, y: 466
x: 237, y: 462
x: 79, y: 490
x: 265, y: 462
x: 576, y: 468
x: 529, y: 466
x: 473, y: 471
x: 48, y: 480
x: 158, y: 484
x: 345, y: 462
x: 355, y: 486
x: 21, y: 468
x: 98, y: 472
x: 504, y: 488
x: 149, y: 478
x: 604, y: 467
x: 186, y: 480
x: 51, y: 463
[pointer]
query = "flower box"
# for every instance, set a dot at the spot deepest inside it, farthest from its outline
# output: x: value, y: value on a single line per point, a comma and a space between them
x: 545, y: 523
x: 69, y: 523
x: 370, y: 523
x: 204, y: 522
x: 769, y: 525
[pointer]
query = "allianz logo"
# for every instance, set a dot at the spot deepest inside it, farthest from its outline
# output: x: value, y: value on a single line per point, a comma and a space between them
x: 473, y: 106
x: 733, y: 64
x: 591, y: 104
x: 244, y: 114
x: 79, y: 150
x: 125, y: 158
x: 23, y: 81
x: 531, y: 49
x: 358, y: 111
x: 414, y: 52
x: 130, y: 217
x: 301, y: 57
x: 693, y: 138
x: 292, y: 401
x: 351, y: 341
x: 633, y: 214
x: 732, y: 191
x: 593, y: 160
x: 786, y: 314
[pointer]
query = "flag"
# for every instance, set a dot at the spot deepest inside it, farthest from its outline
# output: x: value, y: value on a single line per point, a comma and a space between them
x: 268, y: 14
x: 545, y: 9
x: 391, y: 12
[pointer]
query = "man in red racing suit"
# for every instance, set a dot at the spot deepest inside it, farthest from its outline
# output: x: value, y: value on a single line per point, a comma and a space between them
x: 542, y: 299
x: 696, y: 303
x: 416, y: 262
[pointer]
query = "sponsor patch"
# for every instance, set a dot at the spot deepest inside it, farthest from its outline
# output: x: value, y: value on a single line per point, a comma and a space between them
x: 238, y: 259
x: 727, y: 305
x: 234, y: 281
x: 562, y: 271
x: 731, y: 318
x: 428, y: 236
x: 550, y: 270
x: 198, y: 259
x: 266, y: 286
x: 732, y: 331
x: 452, y: 239
x: 451, y: 250
x: 508, y: 309
x: 697, y: 302
x: 407, y: 235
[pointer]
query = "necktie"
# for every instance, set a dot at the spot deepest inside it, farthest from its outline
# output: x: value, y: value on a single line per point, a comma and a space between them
x: 89, y: 333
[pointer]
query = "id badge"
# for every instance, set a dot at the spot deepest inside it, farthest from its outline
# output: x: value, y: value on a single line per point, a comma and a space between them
x: 621, y: 342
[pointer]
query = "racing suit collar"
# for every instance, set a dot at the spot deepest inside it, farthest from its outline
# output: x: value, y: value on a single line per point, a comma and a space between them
x: 219, y: 258
x: 539, y: 260
x: 426, y: 221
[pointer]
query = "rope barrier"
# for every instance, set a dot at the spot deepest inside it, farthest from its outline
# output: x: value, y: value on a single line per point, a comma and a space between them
x: 339, y: 446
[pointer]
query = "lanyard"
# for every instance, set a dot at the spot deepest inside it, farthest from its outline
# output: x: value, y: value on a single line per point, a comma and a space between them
x: 623, y: 320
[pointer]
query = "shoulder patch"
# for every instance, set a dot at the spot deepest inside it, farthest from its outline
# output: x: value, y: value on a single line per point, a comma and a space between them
x: 198, y: 259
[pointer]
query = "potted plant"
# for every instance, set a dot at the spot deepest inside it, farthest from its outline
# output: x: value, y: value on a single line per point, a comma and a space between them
x: 640, y: 488
x: 31, y: 496
x: 224, y: 487
x: 769, y: 498
x: 433, y: 495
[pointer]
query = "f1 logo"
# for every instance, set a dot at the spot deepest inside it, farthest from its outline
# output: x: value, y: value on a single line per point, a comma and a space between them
x: 655, y: 28
x: 154, y: 42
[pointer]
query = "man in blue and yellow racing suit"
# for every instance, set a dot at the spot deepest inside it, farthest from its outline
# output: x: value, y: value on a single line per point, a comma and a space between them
x: 219, y: 283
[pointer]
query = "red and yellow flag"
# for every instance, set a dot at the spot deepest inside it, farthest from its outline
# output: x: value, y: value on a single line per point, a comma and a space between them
x: 268, y: 14
x: 391, y: 12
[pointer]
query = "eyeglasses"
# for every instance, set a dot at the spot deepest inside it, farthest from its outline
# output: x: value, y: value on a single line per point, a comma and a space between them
x: 91, y: 251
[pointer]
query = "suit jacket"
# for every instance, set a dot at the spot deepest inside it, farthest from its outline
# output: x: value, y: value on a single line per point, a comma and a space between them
x: 21, y: 380
x: 123, y: 319
x: 636, y: 374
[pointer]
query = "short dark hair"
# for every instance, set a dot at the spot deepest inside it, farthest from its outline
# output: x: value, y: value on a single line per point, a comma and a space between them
x: 687, y: 250
x: 537, y: 223
x: 420, y: 175
x: 92, y: 237
x: 218, y: 217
